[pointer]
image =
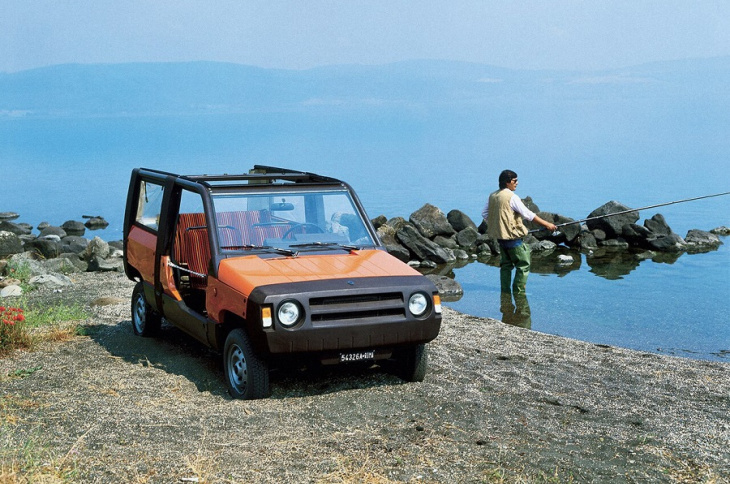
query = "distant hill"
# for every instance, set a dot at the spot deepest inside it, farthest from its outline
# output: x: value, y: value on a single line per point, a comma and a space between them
x: 199, y: 88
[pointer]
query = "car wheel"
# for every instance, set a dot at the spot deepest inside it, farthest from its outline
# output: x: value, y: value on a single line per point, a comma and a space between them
x: 247, y: 375
x: 145, y: 321
x: 412, y: 363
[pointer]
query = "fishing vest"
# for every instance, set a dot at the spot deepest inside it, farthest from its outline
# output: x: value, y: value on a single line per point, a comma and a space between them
x: 503, y: 223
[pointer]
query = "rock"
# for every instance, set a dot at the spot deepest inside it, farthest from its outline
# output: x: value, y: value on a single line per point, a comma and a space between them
x: 636, y: 234
x: 51, y: 230
x: 50, y: 280
x: 9, y: 244
x: 47, y: 248
x: 449, y: 289
x: 587, y: 241
x: 721, y: 230
x: 386, y: 234
x: 8, y: 215
x: 396, y: 222
x: 9, y: 281
x: 545, y: 246
x: 11, y: 291
x: 614, y: 243
x: 74, y: 228
x: 598, y: 234
x: 467, y: 238
x: 379, y: 221
x: 74, y: 244
x: 98, y: 264
x: 430, y: 222
x: 483, y: 251
x: 530, y: 204
x: 461, y: 254
x: 96, y: 248
x: 399, y: 252
x: 667, y: 243
x: 43, y: 225
x: 459, y: 220
x: 565, y: 260
x: 701, y: 241
x: 657, y: 225
x: 64, y: 264
x: 448, y: 242
x: 95, y: 222
x: 611, y: 225
x: 16, y: 229
x: 28, y: 260
x: 423, y: 248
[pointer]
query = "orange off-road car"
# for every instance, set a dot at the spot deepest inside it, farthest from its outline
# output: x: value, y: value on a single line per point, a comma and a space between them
x: 271, y: 264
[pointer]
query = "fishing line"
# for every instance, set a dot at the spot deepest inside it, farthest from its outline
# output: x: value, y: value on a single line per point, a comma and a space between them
x: 634, y: 210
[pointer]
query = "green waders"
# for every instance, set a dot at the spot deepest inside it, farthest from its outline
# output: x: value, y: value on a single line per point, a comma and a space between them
x: 517, y: 258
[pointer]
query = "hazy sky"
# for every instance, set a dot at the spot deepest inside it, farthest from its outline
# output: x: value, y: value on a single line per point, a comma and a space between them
x: 562, y: 34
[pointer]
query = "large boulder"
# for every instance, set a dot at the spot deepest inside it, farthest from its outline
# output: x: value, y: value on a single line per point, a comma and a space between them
x: 423, y: 248
x: 8, y: 215
x: 657, y: 225
x: 459, y: 220
x: 96, y: 222
x: 667, y: 243
x: 17, y: 229
x: 51, y: 230
x: 467, y: 238
x: 701, y: 241
x: 47, y: 247
x: 9, y: 244
x: 431, y: 221
x: 97, y: 248
x: 611, y: 224
x: 73, y: 227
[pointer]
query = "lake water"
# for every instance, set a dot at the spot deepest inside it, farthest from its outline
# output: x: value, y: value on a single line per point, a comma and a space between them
x: 60, y: 169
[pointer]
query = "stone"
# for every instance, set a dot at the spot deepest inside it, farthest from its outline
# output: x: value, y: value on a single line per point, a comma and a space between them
x: 379, y: 221
x: 612, y: 224
x: 73, y: 227
x: 636, y: 234
x: 8, y: 215
x: 399, y: 252
x: 587, y: 241
x: 50, y: 280
x: 448, y: 242
x: 43, y: 225
x: 396, y: 222
x: 565, y: 259
x: 47, y: 248
x: 449, y: 289
x: 459, y: 220
x: 386, y: 234
x: 430, y: 222
x: 667, y: 243
x: 98, y: 264
x: 9, y: 244
x: 74, y: 244
x: 423, y: 248
x: 701, y: 241
x: 51, y: 230
x: 467, y: 237
x: 11, y: 291
x: 96, y: 248
x: 14, y: 228
x: 721, y: 230
x: 461, y: 254
x: 614, y: 243
x: 96, y: 222
x: 657, y: 225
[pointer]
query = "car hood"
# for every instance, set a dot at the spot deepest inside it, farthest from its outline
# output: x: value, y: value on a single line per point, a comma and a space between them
x: 247, y: 273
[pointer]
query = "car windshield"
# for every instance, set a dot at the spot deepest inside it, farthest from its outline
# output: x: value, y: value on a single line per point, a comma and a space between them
x: 292, y: 220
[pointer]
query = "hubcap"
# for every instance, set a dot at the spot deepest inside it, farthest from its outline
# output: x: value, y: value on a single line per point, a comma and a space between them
x: 237, y: 370
x: 140, y: 313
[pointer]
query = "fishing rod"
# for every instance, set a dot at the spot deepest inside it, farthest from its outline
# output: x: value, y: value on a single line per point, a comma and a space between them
x: 633, y: 210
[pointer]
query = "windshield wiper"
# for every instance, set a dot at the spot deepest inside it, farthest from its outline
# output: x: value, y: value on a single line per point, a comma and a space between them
x: 261, y: 247
x: 325, y: 244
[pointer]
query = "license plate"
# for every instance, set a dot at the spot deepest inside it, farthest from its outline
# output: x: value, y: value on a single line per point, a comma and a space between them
x: 358, y: 356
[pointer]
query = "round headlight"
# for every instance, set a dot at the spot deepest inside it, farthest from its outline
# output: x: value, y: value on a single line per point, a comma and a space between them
x: 418, y: 304
x: 289, y: 313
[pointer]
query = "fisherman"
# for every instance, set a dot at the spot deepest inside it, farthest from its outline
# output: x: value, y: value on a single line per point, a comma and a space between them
x: 503, y: 213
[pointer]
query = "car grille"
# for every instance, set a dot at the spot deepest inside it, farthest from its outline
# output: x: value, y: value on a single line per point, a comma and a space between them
x: 373, y: 307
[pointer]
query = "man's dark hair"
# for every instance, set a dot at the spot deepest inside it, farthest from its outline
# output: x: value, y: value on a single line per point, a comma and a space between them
x: 505, y: 177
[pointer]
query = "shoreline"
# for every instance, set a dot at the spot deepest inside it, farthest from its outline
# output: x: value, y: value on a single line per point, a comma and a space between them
x: 498, y: 403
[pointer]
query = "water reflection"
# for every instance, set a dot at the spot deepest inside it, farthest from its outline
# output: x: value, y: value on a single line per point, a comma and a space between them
x: 515, y: 311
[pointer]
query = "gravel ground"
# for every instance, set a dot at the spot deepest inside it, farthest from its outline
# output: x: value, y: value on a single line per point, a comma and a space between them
x: 500, y: 404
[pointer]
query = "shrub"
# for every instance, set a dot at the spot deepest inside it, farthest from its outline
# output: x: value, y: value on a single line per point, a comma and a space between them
x: 13, y: 331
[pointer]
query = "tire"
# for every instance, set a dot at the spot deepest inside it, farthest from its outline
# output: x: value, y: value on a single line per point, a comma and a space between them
x: 247, y: 375
x: 412, y: 363
x: 145, y: 321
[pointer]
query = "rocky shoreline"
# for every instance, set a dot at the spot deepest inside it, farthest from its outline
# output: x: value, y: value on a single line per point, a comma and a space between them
x: 430, y: 240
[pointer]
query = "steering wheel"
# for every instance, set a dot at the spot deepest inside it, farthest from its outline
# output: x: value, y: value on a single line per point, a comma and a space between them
x: 304, y: 225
